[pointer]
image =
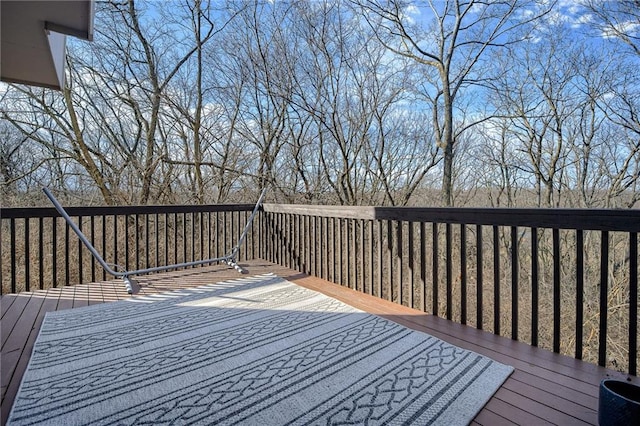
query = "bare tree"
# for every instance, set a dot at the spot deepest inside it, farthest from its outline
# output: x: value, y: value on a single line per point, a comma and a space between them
x: 369, y: 139
x: 619, y: 19
x: 451, y: 41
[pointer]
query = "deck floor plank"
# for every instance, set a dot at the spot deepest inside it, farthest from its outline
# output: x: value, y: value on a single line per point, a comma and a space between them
x: 554, y: 402
x: 6, y: 303
x: 545, y: 388
x: 489, y: 418
x: 12, y: 316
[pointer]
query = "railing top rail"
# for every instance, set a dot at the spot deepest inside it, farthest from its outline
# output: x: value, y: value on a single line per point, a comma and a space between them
x: 583, y: 219
x: 36, y: 212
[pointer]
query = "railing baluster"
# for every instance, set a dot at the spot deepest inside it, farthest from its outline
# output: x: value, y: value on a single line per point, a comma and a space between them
x: 54, y: 251
x: 115, y: 239
x: 399, y: 226
x: 285, y: 240
x: 363, y: 275
x: 316, y: 240
x: 67, y: 261
x: 210, y: 235
x: 316, y: 246
x: 380, y: 260
x: 80, y: 280
x: 333, y: 249
x: 184, y: 237
x: 137, y: 240
x: 390, y: 258
x: 434, y: 271
x: 225, y: 232
x: 351, y: 250
x: 604, y: 286
x: 147, y: 220
x: 27, y: 260
x: 126, y: 242
x: 479, y: 277
x: 448, y: 267
x: 196, y: 224
x: 423, y: 265
x: 263, y: 234
x: 299, y: 232
x: 241, y: 250
x: 410, y: 237
x: 93, y: 243
x: 463, y: 273
x: 633, y: 303
x: 326, y: 244
x: 579, y: 291
x: 201, y: 236
x: 290, y: 240
x: 556, y: 290
x: 278, y: 232
x: 166, y: 238
x: 175, y: 238
x: 319, y: 242
x: 104, y: 244
x: 307, y: 244
x: 41, y: 253
x: 371, y: 257
x: 320, y: 245
x: 514, y: 282
x: 341, y: 253
x: 496, y: 281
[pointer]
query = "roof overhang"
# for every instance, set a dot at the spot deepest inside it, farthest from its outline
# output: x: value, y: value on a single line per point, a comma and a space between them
x: 34, y: 38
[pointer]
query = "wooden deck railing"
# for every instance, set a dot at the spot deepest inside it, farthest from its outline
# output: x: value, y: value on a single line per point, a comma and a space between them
x: 566, y: 280
x: 39, y: 250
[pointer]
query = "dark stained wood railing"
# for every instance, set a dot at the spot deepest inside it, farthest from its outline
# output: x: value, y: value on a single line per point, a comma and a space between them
x: 563, y: 279
x: 39, y: 250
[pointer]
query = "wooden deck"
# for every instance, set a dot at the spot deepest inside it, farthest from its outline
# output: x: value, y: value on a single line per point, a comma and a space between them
x: 545, y: 388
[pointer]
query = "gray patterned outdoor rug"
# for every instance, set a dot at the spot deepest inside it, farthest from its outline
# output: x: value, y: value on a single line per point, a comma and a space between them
x: 257, y: 351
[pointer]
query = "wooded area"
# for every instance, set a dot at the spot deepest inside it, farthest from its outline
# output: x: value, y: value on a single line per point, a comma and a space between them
x: 362, y: 102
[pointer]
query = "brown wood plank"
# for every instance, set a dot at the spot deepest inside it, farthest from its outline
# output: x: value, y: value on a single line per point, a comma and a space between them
x: 65, y: 298
x: 555, y: 402
x: 80, y: 295
x: 5, y: 303
x: 489, y: 418
x: 15, y: 341
x: 19, y: 346
x: 536, y: 408
x: 555, y: 390
x: 12, y: 316
x: 512, y: 412
x: 95, y: 294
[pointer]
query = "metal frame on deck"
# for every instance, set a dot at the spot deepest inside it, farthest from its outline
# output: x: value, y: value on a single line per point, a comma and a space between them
x: 229, y: 259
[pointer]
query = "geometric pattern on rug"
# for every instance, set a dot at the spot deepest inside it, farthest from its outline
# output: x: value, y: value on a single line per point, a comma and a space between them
x: 256, y: 351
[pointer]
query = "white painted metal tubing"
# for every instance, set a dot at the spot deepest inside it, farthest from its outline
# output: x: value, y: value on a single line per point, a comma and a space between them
x: 229, y: 258
x: 236, y: 249
x: 80, y: 235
